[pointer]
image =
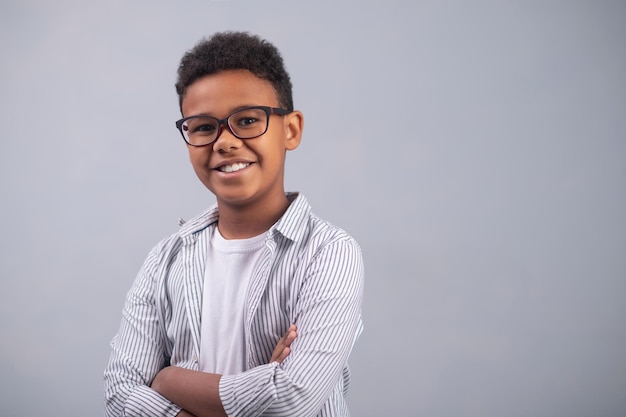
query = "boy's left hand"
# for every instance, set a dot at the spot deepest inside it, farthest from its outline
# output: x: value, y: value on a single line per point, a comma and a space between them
x: 283, y: 347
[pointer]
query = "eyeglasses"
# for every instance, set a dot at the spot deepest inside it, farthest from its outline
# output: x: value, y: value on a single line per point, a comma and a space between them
x: 246, y: 123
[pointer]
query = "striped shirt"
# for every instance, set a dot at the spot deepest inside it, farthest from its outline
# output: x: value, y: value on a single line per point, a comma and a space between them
x: 311, y: 274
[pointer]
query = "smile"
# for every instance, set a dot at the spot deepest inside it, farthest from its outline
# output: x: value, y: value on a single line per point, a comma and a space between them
x: 233, y: 167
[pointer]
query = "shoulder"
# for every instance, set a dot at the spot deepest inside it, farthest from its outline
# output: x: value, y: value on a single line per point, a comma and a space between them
x: 312, y: 233
x: 323, y: 231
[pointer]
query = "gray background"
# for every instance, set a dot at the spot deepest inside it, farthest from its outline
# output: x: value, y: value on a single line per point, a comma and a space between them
x: 476, y: 150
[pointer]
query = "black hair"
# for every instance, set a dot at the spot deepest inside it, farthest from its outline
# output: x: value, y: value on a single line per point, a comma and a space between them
x: 231, y: 51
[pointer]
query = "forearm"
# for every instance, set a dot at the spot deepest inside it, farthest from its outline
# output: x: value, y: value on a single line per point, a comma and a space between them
x: 194, y: 391
x: 198, y: 392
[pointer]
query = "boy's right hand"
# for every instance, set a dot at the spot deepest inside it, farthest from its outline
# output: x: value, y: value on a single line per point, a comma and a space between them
x: 283, y: 347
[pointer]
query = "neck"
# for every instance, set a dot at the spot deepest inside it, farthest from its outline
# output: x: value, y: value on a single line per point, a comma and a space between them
x: 242, y: 222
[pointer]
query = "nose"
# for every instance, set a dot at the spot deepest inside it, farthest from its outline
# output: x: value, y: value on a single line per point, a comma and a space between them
x: 225, y: 141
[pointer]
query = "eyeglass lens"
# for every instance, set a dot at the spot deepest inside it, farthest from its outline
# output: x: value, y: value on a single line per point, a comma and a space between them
x: 245, y: 124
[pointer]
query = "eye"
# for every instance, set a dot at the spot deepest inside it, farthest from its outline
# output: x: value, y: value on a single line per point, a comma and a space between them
x: 201, y: 126
x: 205, y: 128
x: 246, y: 121
x: 249, y: 119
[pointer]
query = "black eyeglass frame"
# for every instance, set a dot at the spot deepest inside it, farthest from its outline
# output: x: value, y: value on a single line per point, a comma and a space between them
x: 224, y: 122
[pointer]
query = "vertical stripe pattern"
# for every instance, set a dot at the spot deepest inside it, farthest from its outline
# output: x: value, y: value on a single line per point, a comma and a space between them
x: 311, y: 275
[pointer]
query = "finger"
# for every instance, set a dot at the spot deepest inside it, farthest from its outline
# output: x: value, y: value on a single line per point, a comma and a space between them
x: 292, y: 332
x: 291, y: 329
x: 290, y: 337
x: 282, y: 349
x: 283, y: 355
x: 280, y: 354
x: 287, y: 338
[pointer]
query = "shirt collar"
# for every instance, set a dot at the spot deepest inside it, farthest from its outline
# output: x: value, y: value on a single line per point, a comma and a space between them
x: 290, y: 225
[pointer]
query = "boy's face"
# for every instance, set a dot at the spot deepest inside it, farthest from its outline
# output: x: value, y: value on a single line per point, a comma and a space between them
x: 256, y: 165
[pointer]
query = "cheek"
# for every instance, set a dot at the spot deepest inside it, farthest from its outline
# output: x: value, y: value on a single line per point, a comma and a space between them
x: 199, y: 160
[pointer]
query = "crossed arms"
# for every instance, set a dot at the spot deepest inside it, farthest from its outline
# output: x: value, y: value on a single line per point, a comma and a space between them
x: 324, y: 302
x: 198, y: 392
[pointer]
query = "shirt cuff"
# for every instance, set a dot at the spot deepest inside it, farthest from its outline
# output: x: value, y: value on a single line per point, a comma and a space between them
x: 144, y: 401
x: 249, y: 393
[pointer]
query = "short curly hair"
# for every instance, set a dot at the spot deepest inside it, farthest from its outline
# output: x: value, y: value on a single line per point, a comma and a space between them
x: 231, y: 51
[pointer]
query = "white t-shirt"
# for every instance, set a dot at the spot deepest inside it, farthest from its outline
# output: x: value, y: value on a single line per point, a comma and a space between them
x: 228, y: 270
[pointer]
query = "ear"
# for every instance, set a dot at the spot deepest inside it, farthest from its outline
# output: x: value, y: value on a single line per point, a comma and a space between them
x: 294, y: 124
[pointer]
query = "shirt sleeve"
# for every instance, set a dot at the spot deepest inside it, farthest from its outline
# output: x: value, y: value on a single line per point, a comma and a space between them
x: 137, y: 353
x: 329, y: 320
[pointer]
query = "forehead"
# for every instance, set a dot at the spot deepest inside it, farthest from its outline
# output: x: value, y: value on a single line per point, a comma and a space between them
x: 221, y: 93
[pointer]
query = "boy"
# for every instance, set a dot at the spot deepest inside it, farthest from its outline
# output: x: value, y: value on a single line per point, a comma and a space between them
x: 209, y: 326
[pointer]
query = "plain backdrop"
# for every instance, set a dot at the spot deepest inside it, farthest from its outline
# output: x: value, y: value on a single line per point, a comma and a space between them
x: 475, y: 149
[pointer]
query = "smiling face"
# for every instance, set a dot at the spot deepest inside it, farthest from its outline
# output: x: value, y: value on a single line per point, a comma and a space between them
x: 242, y: 173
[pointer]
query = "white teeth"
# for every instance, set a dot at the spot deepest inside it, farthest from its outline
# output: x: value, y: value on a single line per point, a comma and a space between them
x: 233, y: 167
